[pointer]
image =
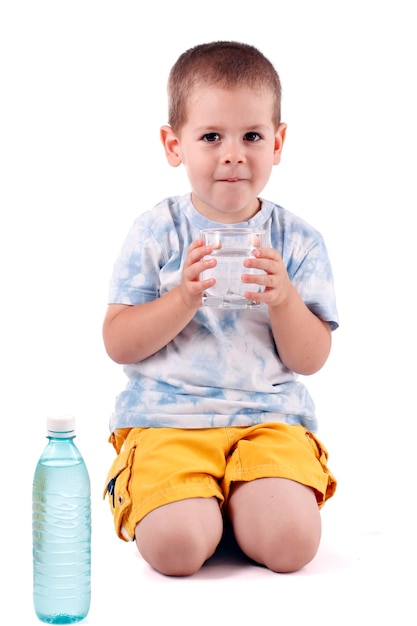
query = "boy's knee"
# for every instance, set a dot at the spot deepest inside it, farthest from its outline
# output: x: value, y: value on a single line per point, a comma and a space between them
x: 174, y: 551
x: 276, y: 522
x: 177, y: 545
x: 292, y: 553
x: 283, y: 552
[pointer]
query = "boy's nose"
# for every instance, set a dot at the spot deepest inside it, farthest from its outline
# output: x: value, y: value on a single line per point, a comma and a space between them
x: 232, y: 161
x: 233, y: 155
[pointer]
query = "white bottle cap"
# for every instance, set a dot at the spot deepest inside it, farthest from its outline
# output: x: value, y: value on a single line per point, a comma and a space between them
x: 60, y: 426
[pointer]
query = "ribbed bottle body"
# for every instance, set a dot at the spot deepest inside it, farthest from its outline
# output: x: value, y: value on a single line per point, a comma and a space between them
x: 61, y: 524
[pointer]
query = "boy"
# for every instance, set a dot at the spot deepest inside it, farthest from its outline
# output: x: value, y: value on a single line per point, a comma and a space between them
x: 213, y: 422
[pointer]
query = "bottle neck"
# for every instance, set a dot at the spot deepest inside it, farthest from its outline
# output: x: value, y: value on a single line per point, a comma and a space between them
x: 61, y: 448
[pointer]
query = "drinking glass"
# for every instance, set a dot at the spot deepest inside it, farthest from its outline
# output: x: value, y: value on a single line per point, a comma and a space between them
x: 231, y: 247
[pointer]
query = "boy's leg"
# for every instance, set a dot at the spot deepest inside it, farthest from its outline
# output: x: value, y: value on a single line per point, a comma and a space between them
x: 276, y: 522
x: 177, y: 538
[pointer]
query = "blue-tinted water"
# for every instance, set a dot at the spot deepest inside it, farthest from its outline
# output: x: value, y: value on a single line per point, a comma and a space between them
x: 61, y: 541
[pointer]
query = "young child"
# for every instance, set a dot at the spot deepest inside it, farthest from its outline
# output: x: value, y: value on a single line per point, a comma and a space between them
x: 213, y: 423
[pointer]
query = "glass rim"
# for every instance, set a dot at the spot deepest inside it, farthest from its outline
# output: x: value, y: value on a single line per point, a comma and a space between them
x: 234, y: 231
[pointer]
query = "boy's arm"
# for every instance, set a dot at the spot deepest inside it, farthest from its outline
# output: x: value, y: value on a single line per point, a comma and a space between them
x: 133, y: 333
x: 303, y: 340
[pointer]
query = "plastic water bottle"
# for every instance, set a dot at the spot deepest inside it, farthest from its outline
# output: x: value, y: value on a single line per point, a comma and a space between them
x: 61, y: 528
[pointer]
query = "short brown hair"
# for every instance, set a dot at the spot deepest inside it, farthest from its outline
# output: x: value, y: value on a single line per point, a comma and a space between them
x: 227, y: 64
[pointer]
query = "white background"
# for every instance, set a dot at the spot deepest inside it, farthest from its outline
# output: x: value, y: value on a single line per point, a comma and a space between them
x: 82, y: 97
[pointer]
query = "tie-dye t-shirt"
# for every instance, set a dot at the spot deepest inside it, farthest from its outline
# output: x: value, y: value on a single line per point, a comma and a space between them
x: 223, y: 369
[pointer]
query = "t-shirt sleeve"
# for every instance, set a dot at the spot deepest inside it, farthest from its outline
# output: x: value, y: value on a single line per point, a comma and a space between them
x: 313, y: 278
x: 135, y: 278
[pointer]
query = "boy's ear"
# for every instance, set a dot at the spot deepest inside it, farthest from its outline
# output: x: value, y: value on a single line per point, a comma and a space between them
x: 279, y: 142
x: 171, y: 146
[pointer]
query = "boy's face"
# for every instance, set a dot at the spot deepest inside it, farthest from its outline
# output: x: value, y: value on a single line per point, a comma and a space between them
x: 228, y: 147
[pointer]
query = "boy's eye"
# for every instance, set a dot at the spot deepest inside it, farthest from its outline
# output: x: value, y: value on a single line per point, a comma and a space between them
x: 252, y: 136
x: 211, y: 137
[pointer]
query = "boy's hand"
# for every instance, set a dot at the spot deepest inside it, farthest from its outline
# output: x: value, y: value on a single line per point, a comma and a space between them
x: 191, y: 286
x: 275, y: 280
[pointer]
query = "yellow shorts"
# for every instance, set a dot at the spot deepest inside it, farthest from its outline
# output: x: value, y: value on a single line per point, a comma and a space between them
x: 157, y: 466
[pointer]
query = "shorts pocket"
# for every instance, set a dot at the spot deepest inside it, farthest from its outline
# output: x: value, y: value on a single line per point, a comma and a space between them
x: 319, y: 449
x: 117, y: 489
x: 322, y: 456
